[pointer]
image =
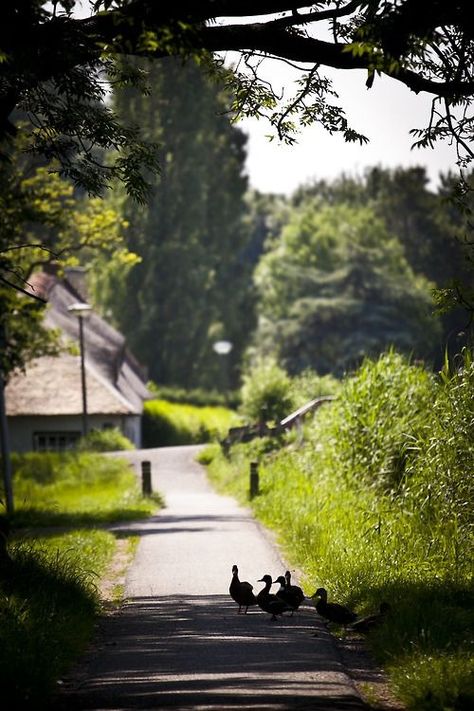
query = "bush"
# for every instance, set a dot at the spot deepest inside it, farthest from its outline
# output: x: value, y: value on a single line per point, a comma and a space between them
x: 308, y: 385
x: 266, y: 393
x: 108, y: 440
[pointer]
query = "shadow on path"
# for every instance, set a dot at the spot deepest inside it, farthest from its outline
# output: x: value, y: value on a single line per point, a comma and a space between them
x: 197, y: 653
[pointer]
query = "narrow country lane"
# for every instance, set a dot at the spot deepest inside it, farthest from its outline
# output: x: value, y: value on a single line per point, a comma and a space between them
x: 178, y: 641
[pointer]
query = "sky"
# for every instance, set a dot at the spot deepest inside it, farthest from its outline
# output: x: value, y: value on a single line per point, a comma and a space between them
x: 384, y: 114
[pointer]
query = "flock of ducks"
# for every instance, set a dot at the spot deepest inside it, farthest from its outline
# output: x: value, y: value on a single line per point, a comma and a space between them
x: 289, y: 597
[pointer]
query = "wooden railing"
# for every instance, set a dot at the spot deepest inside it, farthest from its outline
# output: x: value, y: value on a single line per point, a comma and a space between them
x: 248, y: 432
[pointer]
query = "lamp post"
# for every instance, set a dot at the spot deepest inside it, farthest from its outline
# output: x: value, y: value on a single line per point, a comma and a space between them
x: 223, y: 348
x: 82, y: 311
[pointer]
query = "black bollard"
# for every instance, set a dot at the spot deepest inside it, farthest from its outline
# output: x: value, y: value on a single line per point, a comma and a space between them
x: 146, y: 478
x: 254, y: 491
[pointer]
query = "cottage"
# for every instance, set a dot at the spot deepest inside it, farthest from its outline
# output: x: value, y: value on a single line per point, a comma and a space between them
x: 45, y: 406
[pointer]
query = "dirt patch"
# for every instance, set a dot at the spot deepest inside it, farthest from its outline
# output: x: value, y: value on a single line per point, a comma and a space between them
x: 113, y: 581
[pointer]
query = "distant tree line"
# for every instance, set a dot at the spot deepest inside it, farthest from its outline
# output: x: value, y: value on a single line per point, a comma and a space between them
x: 357, y: 265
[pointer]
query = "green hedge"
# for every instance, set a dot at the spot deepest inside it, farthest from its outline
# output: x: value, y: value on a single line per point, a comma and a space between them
x: 166, y: 423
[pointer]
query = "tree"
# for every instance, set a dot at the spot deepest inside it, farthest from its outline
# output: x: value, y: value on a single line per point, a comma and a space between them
x: 430, y: 225
x: 42, y: 222
x: 336, y: 287
x: 53, y: 64
x: 191, y: 285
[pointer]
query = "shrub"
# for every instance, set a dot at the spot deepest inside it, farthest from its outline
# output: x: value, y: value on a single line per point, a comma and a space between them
x: 266, y: 393
x: 309, y: 385
x: 108, y: 440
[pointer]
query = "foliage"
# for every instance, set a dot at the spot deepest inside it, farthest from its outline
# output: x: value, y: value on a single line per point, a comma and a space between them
x: 84, y: 488
x: 43, y: 221
x: 53, y: 64
x: 336, y: 286
x: 190, y: 287
x: 167, y: 423
x: 22, y: 334
x: 377, y: 505
x: 48, y: 605
x: 434, y: 229
x: 308, y: 385
x: 266, y: 392
x: 109, y: 440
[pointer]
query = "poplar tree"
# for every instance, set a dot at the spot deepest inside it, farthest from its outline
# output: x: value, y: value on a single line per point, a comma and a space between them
x: 192, y: 284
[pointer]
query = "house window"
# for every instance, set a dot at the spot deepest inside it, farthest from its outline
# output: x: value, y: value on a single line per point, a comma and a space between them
x: 55, y: 441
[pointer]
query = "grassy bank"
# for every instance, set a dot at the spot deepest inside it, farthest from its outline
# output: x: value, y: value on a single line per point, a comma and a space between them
x: 377, y: 504
x: 50, y: 578
x: 75, y: 489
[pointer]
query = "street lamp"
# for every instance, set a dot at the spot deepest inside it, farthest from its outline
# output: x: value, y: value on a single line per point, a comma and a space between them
x: 82, y: 311
x: 223, y: 348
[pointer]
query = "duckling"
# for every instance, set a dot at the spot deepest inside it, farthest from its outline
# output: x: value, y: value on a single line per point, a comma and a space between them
x: 241, y: 592
x: 295, y: 590
x: 269, y: 602
x: 287, y: 595
x: 366, y: 624
x: 332, y: 611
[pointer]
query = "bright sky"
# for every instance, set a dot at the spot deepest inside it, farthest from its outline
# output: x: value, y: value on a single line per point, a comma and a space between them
x: 385, y: 114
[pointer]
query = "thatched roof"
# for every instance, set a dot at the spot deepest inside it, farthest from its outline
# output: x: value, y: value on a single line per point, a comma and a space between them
x: 51, y: 386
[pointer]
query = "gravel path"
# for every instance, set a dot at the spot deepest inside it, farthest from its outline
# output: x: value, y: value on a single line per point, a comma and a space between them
x: 178, y: 642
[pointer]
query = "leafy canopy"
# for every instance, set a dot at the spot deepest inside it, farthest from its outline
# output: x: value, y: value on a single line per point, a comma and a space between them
x: 56, y: 66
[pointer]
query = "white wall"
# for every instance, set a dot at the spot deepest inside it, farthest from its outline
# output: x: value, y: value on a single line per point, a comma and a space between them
x: 22, y: 428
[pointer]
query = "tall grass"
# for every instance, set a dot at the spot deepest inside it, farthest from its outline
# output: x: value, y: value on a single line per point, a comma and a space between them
x: 49, y: 596
x: 378, y: 505
x: 48, y: 604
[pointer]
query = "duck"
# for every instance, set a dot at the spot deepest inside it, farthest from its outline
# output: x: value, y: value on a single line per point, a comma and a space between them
x: 295, y: 590
x: 269, y: 602
x: 332, y: 611
x: 366, y: 624
x: 286, y: 594
x: 241, y: 592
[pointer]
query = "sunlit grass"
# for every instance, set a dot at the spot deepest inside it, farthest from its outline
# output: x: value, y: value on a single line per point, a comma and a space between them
x: 76, y: 489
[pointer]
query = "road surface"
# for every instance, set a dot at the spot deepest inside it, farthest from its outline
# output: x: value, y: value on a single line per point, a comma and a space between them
x: 178, y: 642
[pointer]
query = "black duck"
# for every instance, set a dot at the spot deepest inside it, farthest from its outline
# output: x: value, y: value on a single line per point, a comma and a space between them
x: 366, y: 624
x: 287, y: 595
x: 269, y: 602
x: 295, y: 590
x: 332, y: 611
x: 241, y: 592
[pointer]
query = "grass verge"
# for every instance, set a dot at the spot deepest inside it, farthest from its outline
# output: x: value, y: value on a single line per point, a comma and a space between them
x: 377, y: 505
x: 54, y: 581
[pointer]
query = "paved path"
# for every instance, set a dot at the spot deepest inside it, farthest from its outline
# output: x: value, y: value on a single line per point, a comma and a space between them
x: 178, y: 642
